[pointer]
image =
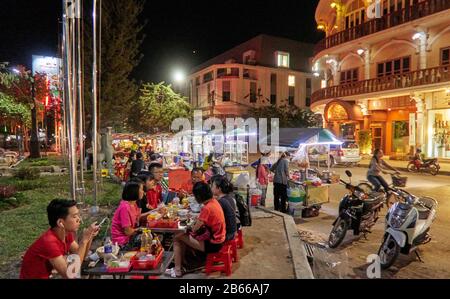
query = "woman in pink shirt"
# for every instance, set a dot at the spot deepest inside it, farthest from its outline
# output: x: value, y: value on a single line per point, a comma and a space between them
x: 126, y: 218
x: 262, y: 176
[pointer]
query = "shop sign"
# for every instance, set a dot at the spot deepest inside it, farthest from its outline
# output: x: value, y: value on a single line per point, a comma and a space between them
x: 412, y: 129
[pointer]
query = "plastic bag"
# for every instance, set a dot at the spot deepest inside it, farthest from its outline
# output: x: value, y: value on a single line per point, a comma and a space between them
x: 330, y: 265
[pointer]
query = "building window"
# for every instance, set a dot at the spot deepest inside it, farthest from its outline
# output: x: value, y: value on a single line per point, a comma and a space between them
x: 227, y: 72
x: 197, y: 81
x: 197, y: 104
x: 283, y: 59
x: 226, y: 91
x: 273, y: 89
x: 356, y: 14
x: 445, y: 56
x: 291, y: 99
x: 308, y: 102
x: 349, y: 76
x: 308, y: 92
x: 208, y: 77
x: 253, y: 96
x: 394, y: 67
x: 291, y: 81
x: 208, y: 92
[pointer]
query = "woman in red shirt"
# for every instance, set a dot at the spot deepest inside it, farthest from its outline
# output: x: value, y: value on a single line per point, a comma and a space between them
x: 211, y: 219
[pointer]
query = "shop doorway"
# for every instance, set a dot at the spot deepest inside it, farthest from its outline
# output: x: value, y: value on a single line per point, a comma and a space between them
x: 378, y: 136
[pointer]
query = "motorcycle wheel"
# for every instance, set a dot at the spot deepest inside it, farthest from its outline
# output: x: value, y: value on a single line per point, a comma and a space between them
x: 388, y: 252
x: 338, y: 233
x: 367, y: 188
x: 411, y: 167
x: 434, y: 170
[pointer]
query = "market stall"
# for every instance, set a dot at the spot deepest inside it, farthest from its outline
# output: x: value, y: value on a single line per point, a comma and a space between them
x: 308, y: 187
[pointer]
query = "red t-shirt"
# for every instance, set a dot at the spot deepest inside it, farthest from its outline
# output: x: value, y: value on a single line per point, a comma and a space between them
x: 36, y: 262
x: 154, y: 196
x: 212, y: 216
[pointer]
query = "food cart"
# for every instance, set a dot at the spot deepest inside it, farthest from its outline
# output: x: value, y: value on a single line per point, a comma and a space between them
x: 308, y: 188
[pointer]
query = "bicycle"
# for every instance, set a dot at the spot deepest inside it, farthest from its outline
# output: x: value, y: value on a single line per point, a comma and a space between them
x: 391, y: 198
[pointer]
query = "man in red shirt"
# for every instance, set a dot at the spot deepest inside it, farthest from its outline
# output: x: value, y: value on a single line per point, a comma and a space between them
x: 154, y: 195
x: 51, y: 249
x: 196, y: 177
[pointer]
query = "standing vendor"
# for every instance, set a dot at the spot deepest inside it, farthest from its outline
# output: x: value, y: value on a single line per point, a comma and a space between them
x: 280, y: 182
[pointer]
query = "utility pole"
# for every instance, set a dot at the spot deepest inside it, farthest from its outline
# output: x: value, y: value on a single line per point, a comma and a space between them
x: 34, y: 142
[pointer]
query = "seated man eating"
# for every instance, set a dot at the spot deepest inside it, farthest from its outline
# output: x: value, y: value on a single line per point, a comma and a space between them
x: 51, y: 249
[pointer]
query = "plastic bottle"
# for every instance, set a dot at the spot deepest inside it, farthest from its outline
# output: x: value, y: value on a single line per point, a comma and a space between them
x: 146, y: 241
x: 108, y: 256
x: 154, y: 248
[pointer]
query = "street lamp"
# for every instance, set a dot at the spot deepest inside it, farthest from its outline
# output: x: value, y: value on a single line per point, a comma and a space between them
x: 179, y: 78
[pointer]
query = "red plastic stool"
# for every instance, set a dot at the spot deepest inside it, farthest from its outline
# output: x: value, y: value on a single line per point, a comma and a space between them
x: 220, y: 261
x: 240, y: 239
x: 234, y: 251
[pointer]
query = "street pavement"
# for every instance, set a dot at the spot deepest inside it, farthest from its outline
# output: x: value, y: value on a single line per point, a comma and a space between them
x: 355, y: 250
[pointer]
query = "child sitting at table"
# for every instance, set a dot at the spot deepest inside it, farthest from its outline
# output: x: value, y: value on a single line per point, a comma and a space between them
x: 125, y: 222
x: 208, y: 232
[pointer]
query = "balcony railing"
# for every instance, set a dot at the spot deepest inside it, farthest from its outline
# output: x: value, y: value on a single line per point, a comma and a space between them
x: 408, y: 14
x: 406, y: 80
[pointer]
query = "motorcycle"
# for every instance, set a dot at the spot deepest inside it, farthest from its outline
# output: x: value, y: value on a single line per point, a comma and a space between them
x: 430, y: 165
x: 407, y: 226
x: 358, y: 211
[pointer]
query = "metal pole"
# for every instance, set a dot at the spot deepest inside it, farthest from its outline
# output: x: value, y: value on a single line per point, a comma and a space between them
x: 68, y: 99
x: 80, y: 102
x: 94, y: 103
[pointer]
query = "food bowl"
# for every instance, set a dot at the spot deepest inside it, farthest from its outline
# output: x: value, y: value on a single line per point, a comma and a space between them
x: 195, y: 207
x: 101, y: 251
x: 183, y: 213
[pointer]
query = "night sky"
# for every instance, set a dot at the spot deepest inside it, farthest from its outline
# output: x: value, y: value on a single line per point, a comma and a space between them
x: 175, y: 30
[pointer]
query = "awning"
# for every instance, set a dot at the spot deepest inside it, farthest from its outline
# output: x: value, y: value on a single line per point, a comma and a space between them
x: 294, y: 137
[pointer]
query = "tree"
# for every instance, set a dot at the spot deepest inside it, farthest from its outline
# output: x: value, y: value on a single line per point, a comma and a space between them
x: 157, y: 107
x: 21, y: 96
x: 121, y: 39
x: 290, y: 116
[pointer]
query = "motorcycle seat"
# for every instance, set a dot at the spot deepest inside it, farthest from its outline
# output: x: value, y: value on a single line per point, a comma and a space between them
x: 423, y: 213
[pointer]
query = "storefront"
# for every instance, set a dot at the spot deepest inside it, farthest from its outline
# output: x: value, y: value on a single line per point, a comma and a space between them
x: 343, y: 119
x: 438, y: 125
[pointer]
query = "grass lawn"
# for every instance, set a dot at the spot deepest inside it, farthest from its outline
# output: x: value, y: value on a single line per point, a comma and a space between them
x: 20, y: 226
x: 47, y: 161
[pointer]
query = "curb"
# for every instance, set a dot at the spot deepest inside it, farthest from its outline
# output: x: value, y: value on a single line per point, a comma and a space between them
x: 404, y: 169
x: 302, y: 269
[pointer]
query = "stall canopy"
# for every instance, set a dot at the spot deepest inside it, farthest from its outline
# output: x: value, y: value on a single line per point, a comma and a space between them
x: 295, y: 137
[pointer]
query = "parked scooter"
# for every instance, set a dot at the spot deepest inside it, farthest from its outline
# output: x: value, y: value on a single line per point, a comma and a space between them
x: 430, y: 165
x: 358, y: 211
x: 407, y: 226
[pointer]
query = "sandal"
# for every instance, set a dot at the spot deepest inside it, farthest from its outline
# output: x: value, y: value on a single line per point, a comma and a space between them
x: 173, y: 273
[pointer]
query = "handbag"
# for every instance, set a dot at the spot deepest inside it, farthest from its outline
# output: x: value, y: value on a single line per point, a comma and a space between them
x: 203, y: 234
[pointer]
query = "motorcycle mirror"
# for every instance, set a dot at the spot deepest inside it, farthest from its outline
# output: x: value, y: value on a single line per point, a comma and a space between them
x: 349, y: 173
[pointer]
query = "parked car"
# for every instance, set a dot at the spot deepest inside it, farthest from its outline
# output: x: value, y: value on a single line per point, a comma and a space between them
x: 347, y: 153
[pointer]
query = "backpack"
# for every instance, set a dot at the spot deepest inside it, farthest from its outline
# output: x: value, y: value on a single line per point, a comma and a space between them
x: 244, y: 211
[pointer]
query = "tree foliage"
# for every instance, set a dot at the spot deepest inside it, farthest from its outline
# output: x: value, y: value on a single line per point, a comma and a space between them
x: 290, y: 116
x: 121, y: 40
x: 156, y: 108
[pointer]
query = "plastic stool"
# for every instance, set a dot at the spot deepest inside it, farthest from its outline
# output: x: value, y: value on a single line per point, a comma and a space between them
x: 234, y: 251
x: 240, y: 239
x: 220, y: 261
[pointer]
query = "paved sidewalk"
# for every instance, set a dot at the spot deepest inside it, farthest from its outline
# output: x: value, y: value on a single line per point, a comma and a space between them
x: 401, y: 165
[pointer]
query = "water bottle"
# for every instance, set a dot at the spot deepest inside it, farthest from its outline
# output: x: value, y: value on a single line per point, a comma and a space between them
x: 108, y: 256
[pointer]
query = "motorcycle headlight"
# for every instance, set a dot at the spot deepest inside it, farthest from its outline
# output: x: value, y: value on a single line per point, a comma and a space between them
x: 397, y: 221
